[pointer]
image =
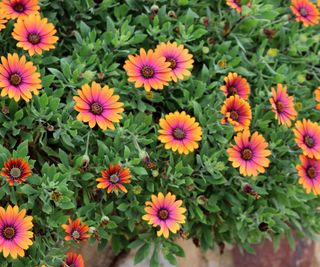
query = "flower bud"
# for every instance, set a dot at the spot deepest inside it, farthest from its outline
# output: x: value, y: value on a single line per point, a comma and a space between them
x: 154, y: 9
x: 172, y: 14
x: 263, y: 227
x: 137, y: 190
x: 202, y: 200
x: 155, y: 173
x: 247, y: 188
x: 105, y: 220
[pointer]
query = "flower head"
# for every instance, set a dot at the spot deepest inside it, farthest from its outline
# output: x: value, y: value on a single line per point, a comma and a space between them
x: 18, y: 78
x: 307, y: 135
x: 114, y: 178
x: 3, y: 21
x: 317, y: 97
x: 166, y: 212
x: 236, y: 85
x: 180, y: 132
x: 98, y: 105
x: 16, y: 170
x: 148, y: 70
x: 306, y: 12
x: 76, y: 230
x: 178, y: 56
x: 283, y: 105
x: 74, y: 260
x: 19, y: 8
x: 250, y: 154
x: 35, y: 34
x: 236, y: 4
x: 15, y: 236
x: 237, y: 112
x: 309, y: 173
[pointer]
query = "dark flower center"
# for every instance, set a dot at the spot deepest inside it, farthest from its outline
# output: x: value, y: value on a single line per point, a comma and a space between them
x: 309, y: 141
x: 96, y: 108
x: 18, y: 8
x: 179, y: 134
x: 163, y: 214
x: 15, y: 79
x: 303, y: 12
x: 114, y: 178
x: 234, y: 115
x: 147, y: 72
x: 280, y: 107
x: 173, y: 63
x: 34, y: 38
x: 15, y: 172
x: 232, y: 91
x: 247, y: 154
x: 75, y: 234
x: 312, y: 172
x: 8, y: 232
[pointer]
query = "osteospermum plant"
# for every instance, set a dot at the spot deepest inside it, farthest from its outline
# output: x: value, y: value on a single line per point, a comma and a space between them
x: 137, y: 127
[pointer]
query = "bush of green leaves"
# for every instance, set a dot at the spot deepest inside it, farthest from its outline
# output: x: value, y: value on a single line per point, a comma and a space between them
x: 95, y: 40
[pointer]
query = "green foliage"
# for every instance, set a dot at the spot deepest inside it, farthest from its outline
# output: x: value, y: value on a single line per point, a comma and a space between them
x: 95, y: 40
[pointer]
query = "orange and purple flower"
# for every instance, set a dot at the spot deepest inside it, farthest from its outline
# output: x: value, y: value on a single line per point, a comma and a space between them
x: 35, y: 34
x: 309, y: 173
x: 16, y: 170
x: 236, y: 4
x: 236, y: 85
x: 76, y: 230
x: 250, y: 154
x: 114, y: 178
x: 98, y: 105
x: 15, y: 236
x: 18, y: 78
x: 178, y: 56
x: 165, y: 212
x: 317, y: 97
x: 307, y: 137
x: 13, y: 9
x: 148, y: 70
x: 180, y: 132
x: 237, y: 112
x: 74, y: 260
x: 283, y: 105
x: 306, y: 12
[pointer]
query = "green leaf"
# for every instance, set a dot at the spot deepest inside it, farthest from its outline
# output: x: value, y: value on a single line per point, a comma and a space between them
x: 142, y: 253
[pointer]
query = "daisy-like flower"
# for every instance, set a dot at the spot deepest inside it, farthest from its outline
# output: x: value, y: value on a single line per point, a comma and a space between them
x: 236, y: 85
x: 18, y: 78
x: 19, y: 8
x: 15, y: 236
x: 180, y: 132
x: 35, y: 34
x: 148, y: 70
x: 16, y: 170
x: 98, y: 105
x: 307, y: 137
x: 283, y: 105
x: 3, y: 21
x: 250, y: 154
x: 317, y: 97
x: 236, y: 4
x: 165, y: 212
x: 237, y: 112
x: 114, y: 178
x: 76, y: 230
x: 306, y: 12
x: 74, y: 260
x: 178, y: 56
x: 309, y: 173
